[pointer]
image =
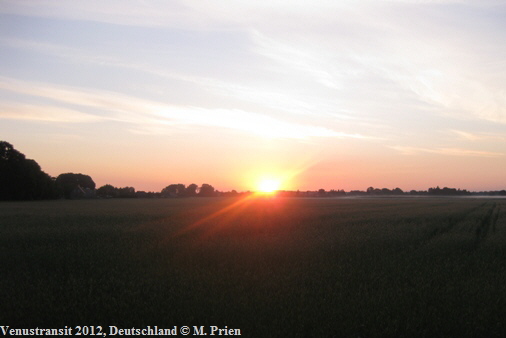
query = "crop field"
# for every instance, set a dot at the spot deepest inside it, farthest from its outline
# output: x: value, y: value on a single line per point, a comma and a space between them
x: 411, y: 267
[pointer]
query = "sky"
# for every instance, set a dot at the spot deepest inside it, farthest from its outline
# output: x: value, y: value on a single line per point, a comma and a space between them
x: 316, y: 94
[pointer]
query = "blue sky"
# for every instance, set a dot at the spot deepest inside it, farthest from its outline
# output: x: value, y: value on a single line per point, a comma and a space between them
x: 320, y: 94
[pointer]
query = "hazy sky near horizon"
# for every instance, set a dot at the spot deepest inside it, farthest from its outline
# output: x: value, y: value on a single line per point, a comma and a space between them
x: 322, y: 94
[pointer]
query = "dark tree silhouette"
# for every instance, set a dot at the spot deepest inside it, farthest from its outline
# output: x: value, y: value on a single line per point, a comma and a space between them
x: 337, y: 192
x: 384, y: 191
x: 168, y: 191
x: 206, y: 190
x: 21, y: 178
x: 191, y: 190
x: 75, y: 185
x: 180, y: 190
x: 126, y: 192
x: 107, y: 191
x: 174, y: 190
x: 447, y: 191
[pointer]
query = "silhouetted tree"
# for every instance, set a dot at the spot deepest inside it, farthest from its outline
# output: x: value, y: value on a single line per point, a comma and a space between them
x: 75, y: 185
x: 180, y: 190
x: 337, y: 193
x: 447, y: 191
x: 173, y: 190
x: 21, y: 178
x: 206, y: 190
x: 107, y: 191
x: 191, y: 190
x: 126, y: 192
x: 147, y: 194
x: 384, y: 191
x: 397, y: 191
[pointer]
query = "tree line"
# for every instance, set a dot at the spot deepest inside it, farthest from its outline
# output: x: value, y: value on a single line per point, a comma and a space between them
x: 23, y: 179
x: 383, y: 192
x: 172, y: 190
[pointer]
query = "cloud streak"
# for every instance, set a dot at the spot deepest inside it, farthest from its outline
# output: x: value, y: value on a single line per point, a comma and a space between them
x: 141, y: 112
x: 44, y: 113
x: 406, y: 150
x: 478, y: 136
x: 274, y: 98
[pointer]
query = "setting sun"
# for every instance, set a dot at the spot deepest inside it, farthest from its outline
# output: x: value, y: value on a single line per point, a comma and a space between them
x: 268, y: 185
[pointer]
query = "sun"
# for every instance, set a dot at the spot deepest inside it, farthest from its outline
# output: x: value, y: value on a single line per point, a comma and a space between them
x: 268, y: 186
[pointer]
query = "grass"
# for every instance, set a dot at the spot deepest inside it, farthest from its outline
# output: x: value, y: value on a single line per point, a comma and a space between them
x: 417, y: 267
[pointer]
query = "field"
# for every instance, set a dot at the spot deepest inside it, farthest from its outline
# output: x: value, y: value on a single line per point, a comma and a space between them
x: 411, y: 267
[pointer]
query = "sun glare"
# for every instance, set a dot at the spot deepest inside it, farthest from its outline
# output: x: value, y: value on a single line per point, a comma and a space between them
x: 268, y: 186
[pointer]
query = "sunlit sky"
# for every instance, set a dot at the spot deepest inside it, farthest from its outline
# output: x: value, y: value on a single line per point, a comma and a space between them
x: 320, y: 94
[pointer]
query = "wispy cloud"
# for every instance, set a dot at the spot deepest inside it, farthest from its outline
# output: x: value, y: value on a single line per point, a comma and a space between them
x: 406, y: 150
x: 44, y: 113
x: 145, y: 113
x: 109, y: 104
x: 272, y: 98
x: 303, y: 60
x: 239, y: 120
x: 466, y: 135
x: 478, y: 136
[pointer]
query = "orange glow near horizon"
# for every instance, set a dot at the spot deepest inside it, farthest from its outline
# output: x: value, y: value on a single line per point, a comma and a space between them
x: 269, y: 177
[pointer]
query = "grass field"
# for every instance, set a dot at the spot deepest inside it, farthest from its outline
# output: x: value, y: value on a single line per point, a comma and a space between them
x: 411, y: 267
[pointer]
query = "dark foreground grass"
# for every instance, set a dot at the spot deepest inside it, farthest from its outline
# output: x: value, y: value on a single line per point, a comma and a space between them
x: 269, y: 267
